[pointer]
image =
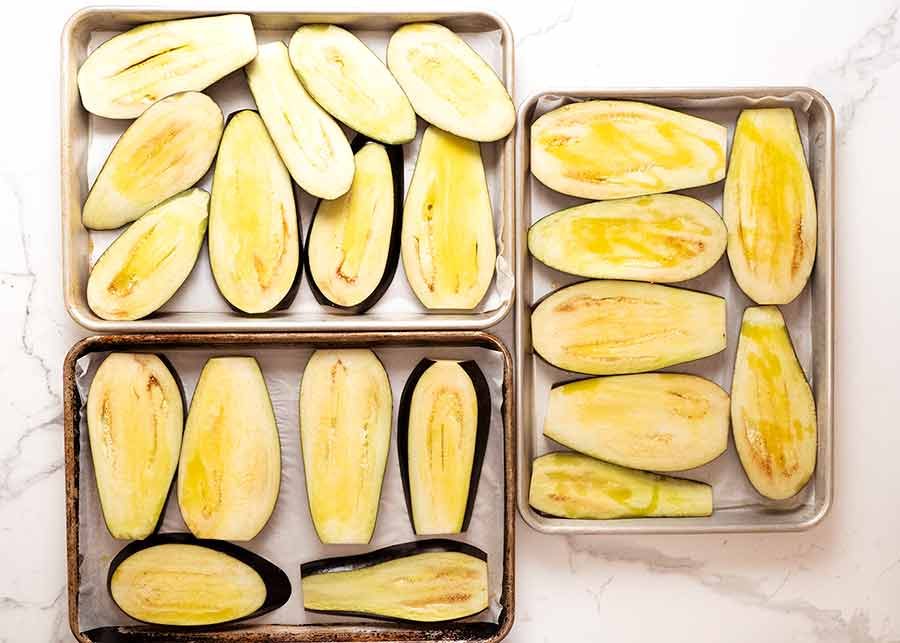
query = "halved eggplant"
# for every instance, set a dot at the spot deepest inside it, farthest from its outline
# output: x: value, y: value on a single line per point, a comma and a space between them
x: 230, y: 468
x: 655, y: 421
x: 449, y: 84
x: 660, y: 238
x: 135, y: 418
x: 572, y: 485
x: 773, y: 414
x: 607, y: 327
x: 254, y: 232
x: 442, y: 432
x: 164, y: 152
x: 448, y: 244
x: 354, y: 240
x: 345, y: 431
x: 770, y: 207
x: 425, y: 581
x: 610, y: 149
x: 148, y: 262
x: 311, y: 144
x: 351, y: 83
x: 182, y: 581
x: 133, y: 70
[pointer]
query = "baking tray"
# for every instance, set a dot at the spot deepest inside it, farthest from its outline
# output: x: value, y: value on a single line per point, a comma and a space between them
x: 810, y: 319
x: 284, y: 346
x: 197, y: 306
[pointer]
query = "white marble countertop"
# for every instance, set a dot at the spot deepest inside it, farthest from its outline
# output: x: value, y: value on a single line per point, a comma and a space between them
x: 838, y: 582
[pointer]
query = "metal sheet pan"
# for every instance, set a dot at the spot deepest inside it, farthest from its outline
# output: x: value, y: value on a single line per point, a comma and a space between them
x: 85, y: 138
x: 810, y: 319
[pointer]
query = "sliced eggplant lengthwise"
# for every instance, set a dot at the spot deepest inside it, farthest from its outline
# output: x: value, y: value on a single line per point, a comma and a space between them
x: 354, y: 240
x: 610, y: 149
x: 165, y: 151
x: 660, y: 238
x: 655, y: 421
x: 345, y: 429
x: 135, y: 418
x: 131, y: 71
x: 572, y: 485
x: 607, y: 327
x: 769, y: 207
x: 254, y: 232
x: 182, y: 581
x: 425, y: 581
x: 351, y: 83
x: 773, y: 413
x: 230, y: 469
x: 449, y: 84
x: 148, y: 262
x: 442, y: 433
x: 448, y: 245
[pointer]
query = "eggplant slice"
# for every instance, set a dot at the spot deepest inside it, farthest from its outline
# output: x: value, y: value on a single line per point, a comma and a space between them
x: 616, y: 327
x: 311, y: 144
x: 354, y: 240
x: 146, y: 264
x: 660, y: 238
x: 442, y: 433
x: 610, y: 149
x: 448, y: 245
x: 254, y: 232
x: 345, y: 429
x: 164, y: 152
x: 770, y: 207
x: 179, y: 580
x: 230, y: 469
x: 133, y: 70
x: 773, y: 414
x: 425, y: 581
x: 351, y: 83
x: 135, y: 418
x: 655, y: 421
x: 449, y: 84
x: 572, y: 485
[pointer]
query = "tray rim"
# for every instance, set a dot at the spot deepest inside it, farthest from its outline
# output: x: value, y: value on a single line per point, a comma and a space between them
x: 824, y: 375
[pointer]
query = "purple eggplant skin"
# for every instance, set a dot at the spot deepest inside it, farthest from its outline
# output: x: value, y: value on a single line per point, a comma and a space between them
x: 483, y: 395
x: 395, y: 156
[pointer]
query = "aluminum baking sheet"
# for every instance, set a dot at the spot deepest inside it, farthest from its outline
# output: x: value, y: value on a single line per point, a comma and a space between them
x: 737, y: 506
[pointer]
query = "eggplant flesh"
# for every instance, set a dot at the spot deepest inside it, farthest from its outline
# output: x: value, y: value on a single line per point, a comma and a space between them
x: 444, y: 421
x: 770, y: 207
x: 135, y: 418
x: 254, y: 234
x: 354, y: 240
x: 447, y: 244
x: 351, y: 83
x: 426, y: 581
x: 449, y: 84
x: 164, y: 152
x: 773, y: 413
x: 572, y: 485
x: 345, y: 430
x: 149, y: 262
x: 133, y: 70
x: 655, y: 421
x: 608, y: 327
x: 178, y: 580
x: 311, y: 144
x: 230, y: 468
x: 660, y: 238
x: 611, y: 149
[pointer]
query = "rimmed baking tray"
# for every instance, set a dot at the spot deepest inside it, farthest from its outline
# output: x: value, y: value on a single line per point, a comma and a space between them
x: 810, y: 318
x: 197, y: 306
x: 288, y: 538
